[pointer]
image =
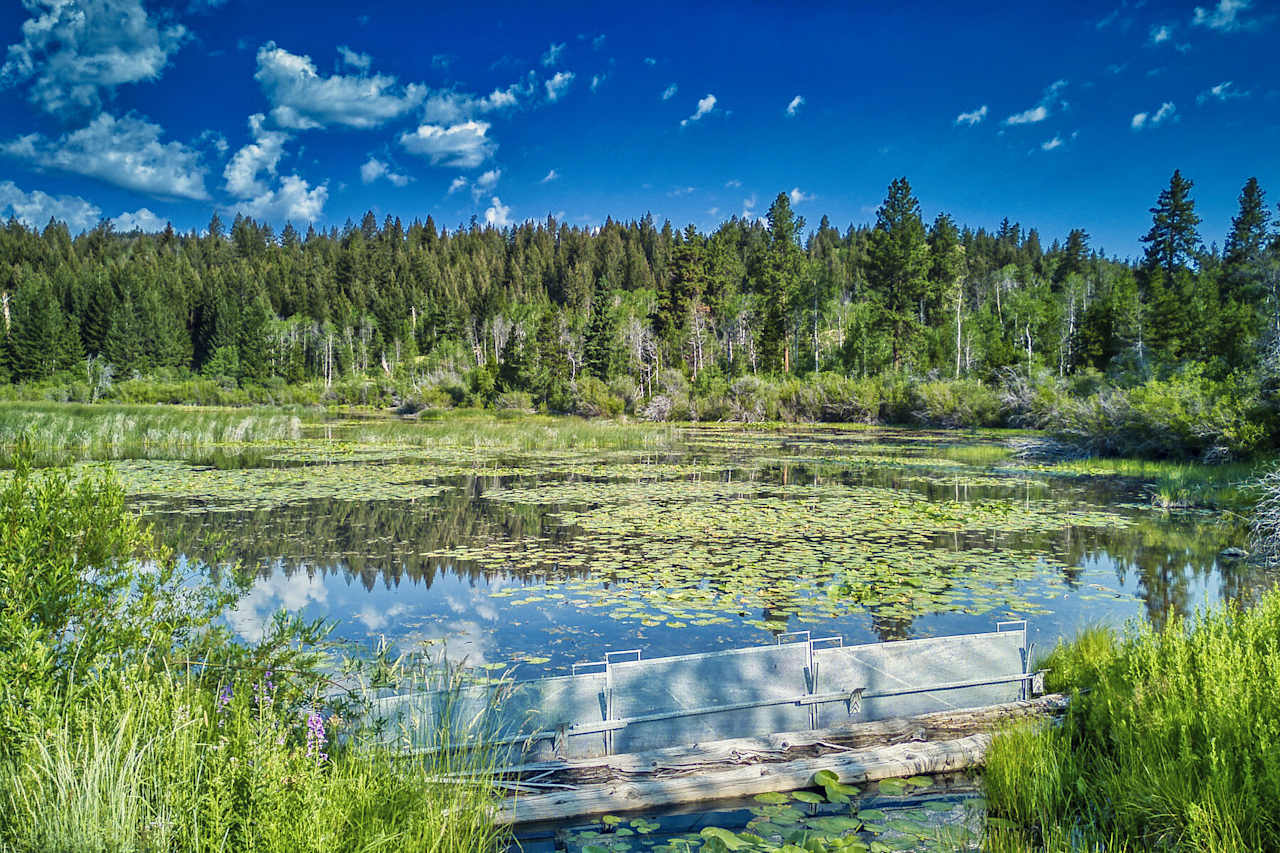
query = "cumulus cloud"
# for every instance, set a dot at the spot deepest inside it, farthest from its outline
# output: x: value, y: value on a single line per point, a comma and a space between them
x: 1226, y: 17
x: 670, y: 92
x: 1166, y: 112
x: 1049, y: 101
x: 749, y: 207
x: 459, y: 183
x: 72, y: 53
x: 484, y: 184
x: 374, y: 168
x: 1224, y: 91
x: 451, y: 107
x: 261, y: 155
x: 705, y: 106
x: 34, y: 209
x: 552, y: 56
x: 1050, y: 144
x: 124, y: 151
x: 597, y: 80
x: 141, y: 219
x: 733, y: 183
x: 796, y: 103
x: 797, y: 196
x: 358, y: 61
x: 295, y: 199
x: 551, y: 176
x: 558, y: 85
x: 464, y: 145
x: 973, y: 117
x: 1161, y: 34
x: 301, y: 99
x: 598, y: 42
x: 499, y: 215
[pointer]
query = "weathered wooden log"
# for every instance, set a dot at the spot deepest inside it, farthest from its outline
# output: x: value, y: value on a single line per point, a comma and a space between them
x: 784, y: 746
x: 854, y: 767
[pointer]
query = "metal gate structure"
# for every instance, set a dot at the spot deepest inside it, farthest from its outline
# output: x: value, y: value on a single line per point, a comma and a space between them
x: 627, y: 703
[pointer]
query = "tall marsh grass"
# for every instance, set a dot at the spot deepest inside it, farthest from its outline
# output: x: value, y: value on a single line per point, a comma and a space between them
x: 1170, y: 743
x: 60, y: 433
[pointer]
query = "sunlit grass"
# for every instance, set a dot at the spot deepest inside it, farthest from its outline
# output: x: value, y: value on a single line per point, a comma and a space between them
x: 1176, y: 484
x: 60, y: 433
x: 1169, y: 743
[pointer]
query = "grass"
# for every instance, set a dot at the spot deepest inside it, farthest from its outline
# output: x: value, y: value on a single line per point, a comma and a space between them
x: 61, y: 433
x: 111, y: 740
x: 1170, y: 743
x: 1175, y: 485
x: 157, y: 762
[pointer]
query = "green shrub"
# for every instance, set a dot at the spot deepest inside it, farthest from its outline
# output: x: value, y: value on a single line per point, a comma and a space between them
x: 1168, y: 744
x: 592, y: 399
x: 957, y: 403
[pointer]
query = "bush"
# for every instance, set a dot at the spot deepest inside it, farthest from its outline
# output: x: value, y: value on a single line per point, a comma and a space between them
x: 592, y: 399
x: 518, y: 401
x: 957, y: 403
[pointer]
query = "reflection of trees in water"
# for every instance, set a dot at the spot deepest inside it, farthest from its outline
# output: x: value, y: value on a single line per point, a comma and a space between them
x: 1165, y: 555
x: 889, y: 628
x: 371, y: 540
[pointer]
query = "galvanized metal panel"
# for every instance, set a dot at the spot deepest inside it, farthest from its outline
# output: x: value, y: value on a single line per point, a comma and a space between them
x: 908, y: 664
x: 698, y: 682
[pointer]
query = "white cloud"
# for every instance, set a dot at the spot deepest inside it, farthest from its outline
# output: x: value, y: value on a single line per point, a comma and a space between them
x: 1050, y: 144
x: 499, y: 215
x: 670, y: 92
x: 1166, y: 112
x: 301, y: 99
x: 796, y: 103
x: 1047, y: 103
x: 141, y: 219
x: 484, y: 184
x: 295, y: 199
x: 705, y: 106
x: 465, y: 145
x: 733, y: 182
x: 253, y: 612
x: 36, y: 208
x: 972, y: 118
x: 261, y: 155
x: 126, y: 152
x: 552, y: 56
x: 358, y: 61
x: 749, y: 207
x: 73, y: 52
x: 1221, y: 92
x: 551, y: 176
x: 1226, y: 17
x: 597, y: 80
x: 1161, y: 34
x: 598, y: 42
x: 458, y: 184
x: 374, y: 168
x: 797, y: 196
x: 450, y: 107
x: 558, y: 85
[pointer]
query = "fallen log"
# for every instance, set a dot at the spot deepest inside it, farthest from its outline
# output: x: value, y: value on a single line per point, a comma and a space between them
x: 940, y: 742
x: 852, y: 768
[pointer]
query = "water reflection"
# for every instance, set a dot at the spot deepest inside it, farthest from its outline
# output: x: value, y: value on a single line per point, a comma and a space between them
x: 376, y: 565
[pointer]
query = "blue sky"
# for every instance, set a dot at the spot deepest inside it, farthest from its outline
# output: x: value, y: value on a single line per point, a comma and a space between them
x: 1058, y: 116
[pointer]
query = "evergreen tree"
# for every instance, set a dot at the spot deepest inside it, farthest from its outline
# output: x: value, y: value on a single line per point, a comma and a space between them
x: 898, y: 265
x: 1173, y: 240
x: 599, y: 349
x: 1246, y: 244
x: 781, y: 275
x: 36, y: 335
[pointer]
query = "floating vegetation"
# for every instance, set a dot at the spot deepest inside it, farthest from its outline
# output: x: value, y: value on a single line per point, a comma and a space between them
x: 804, y: 820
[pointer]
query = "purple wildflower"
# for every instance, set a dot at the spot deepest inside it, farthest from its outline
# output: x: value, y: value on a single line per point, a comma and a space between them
x: 316, y: 738
x: 224, y: 698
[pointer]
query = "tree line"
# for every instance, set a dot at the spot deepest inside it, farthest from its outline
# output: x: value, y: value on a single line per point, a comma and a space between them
x: 538, y: 307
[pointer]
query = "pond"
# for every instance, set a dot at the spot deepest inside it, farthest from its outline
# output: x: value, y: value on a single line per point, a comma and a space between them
x: 536, y: 544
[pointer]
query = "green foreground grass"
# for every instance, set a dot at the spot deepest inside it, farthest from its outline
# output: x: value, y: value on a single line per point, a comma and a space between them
x: 1170, y: 743
x: 112, y: 739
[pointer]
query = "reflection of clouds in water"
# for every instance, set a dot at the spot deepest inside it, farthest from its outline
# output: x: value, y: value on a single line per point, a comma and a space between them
x: 479, y: 604
x: 376, y: 619
x: 252, y: 614
x: 463, y: 641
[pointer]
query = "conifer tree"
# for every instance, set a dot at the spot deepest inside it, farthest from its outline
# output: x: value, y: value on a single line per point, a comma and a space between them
x: 898, y: 265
